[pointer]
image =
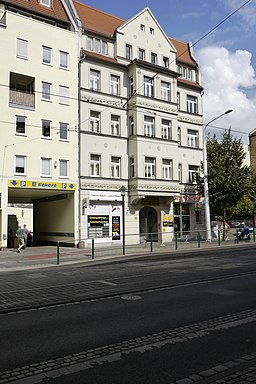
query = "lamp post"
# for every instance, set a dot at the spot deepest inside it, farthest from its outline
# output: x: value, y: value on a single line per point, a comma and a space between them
x: 206, y: 188
x: 123, y: 191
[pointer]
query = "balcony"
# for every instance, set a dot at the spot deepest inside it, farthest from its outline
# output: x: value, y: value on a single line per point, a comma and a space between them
x: 20, y: 98
x: 21, y: 92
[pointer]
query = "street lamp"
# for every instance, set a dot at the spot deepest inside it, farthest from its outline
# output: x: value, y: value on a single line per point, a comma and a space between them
x: 123, y: 191
x: 206, y: 188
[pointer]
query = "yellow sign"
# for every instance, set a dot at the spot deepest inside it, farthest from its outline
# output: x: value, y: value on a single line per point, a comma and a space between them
x: 41, y: 185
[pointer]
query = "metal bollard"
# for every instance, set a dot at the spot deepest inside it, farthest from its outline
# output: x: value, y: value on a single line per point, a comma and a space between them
x: 218, y: 237
x: 92, y: 249
x: 58, y: 252
x: 151, y: 242
x: 176, y: 240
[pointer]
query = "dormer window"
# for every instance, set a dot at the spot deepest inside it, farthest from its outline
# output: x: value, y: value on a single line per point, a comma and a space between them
x: 47, y: 3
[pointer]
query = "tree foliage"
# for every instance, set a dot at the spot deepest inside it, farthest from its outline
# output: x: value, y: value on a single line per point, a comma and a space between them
x: 229, y: 180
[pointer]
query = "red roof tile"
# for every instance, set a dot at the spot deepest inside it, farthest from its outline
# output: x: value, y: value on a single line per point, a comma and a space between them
x: 97, y: 21
x: 56, y: 11
x: 183, y: 52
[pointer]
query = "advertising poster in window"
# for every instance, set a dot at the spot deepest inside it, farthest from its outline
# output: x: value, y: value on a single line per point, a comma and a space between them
x: 115, y: 227
x: 167, y: 223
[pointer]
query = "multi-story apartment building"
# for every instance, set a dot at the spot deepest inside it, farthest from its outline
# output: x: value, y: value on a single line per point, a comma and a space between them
x: 38, y: 128
x: 140, y: 125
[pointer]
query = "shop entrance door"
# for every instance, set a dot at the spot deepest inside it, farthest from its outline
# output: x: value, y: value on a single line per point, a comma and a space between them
x: 148, y: 223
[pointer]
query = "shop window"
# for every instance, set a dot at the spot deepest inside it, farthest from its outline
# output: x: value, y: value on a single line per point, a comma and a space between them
x: 98, y: 226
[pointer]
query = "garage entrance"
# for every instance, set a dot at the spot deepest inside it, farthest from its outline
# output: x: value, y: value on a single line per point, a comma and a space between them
x: 53, y: 210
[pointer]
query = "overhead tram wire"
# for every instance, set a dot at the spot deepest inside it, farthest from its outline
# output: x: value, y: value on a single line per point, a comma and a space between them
x: 192, y: 45
x: 135, y: 91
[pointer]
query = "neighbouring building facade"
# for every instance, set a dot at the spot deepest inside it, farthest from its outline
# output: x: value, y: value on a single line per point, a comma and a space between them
x: 140, y: 126
x: 38, y: 127
x: 91, y: 103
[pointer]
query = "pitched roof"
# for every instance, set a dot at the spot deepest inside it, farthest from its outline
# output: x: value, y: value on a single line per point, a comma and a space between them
x: 56, y: 11
x: 105, y: 24
x: 97, y: 21
x: 183, y: 52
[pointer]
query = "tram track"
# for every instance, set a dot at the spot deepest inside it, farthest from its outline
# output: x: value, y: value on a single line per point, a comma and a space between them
x: 81, y: 292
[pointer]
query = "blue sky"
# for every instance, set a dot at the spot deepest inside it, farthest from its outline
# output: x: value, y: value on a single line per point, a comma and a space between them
x: 227, y: 57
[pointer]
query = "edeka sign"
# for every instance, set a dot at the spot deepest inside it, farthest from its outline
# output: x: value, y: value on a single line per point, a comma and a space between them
x: 41, y: 185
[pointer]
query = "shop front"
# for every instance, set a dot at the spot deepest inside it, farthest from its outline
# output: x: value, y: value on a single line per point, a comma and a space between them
x: 104, y: 216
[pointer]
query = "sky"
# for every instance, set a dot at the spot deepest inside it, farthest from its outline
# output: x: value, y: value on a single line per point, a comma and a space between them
x: 227, y: 56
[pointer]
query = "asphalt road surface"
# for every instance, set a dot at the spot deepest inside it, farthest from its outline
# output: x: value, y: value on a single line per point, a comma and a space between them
x: 188, y: 319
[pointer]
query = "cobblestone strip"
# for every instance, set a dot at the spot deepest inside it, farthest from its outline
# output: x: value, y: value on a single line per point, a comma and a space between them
x: 35, y: 373
x: 237, y: 371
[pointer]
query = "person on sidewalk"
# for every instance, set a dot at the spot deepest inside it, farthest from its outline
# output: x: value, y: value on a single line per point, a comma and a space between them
x: 19, y: 234
x: 25, y: 235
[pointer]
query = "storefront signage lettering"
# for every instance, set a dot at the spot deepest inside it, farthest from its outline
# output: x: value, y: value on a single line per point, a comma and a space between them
x: 41, y: 185
x: 98, y: 221
x: 105, y: 196
x: 186, y: 198
x: 115, y: 227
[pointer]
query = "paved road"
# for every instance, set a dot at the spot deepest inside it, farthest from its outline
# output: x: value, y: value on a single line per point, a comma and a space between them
x: 158, y: 320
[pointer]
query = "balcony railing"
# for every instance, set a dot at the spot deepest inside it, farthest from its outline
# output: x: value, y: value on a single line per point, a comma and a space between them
x: 22, y: 98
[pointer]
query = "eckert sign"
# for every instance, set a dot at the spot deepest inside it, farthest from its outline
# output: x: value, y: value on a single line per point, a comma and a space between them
x: 105, y: 196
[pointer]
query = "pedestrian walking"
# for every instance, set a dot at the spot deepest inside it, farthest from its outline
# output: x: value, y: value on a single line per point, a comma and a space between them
x: 20, y: 238
x: 25, y: 235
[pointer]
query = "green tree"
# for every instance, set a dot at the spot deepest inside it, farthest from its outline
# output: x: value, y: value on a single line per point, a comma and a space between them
x: 229, y: 180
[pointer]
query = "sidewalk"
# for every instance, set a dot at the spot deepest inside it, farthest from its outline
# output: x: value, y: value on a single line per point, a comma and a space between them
x: 47, y: 256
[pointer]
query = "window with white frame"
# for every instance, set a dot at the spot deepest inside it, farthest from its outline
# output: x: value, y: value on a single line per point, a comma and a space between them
x: 128, y: 51
x: 46, y: 91
x: 21, y: 125
x: 150, y: 167
x: 46, y: 167
x: 131, y: 87
x: 22, y: 48
x: 47, y: 3
x: 131, y: 125
x: 132, y: 167
x: 141, y: 54
x: 180, y: 172
x: 178, y: 100
x: 20, y: 164
x: 89, y: 43
x: 148, y: 86
x: 149, y: 126
x: 94, y: 121
x: 185, y: 72
x: 64, y: 60
x: 167, y: 167
x: 166, y: 62
x: 179, y: 135
x: 115, y: 125
x: 95, y: 165
x: 115, y: 167
x: 46, y: 128
x: 46, y: 55
x: 63, y: 95
x: 63, y: 168
x: 63, y: 134
x: 153, y: 58
x: 142, y: 27
x: 192, y: 137
x: 114, y: 84
x: 97, y: 46
x: 189, y: 74
x: 94, y: 80
x: 192, y: 104
x: 193, y: 170
x: 151, y: 31
x: 165, y: 91
x: 104, y: 47
x: 166, y: 128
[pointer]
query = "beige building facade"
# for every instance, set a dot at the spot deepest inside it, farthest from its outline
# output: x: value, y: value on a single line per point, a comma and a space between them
x: 38, y: 127
x: 140, y: 128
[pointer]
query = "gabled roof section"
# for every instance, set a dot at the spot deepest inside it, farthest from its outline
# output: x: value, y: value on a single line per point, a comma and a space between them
x: 56, y: 11
x: 94, y: 20
x: 183, y: 52
x: 147, y: 9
